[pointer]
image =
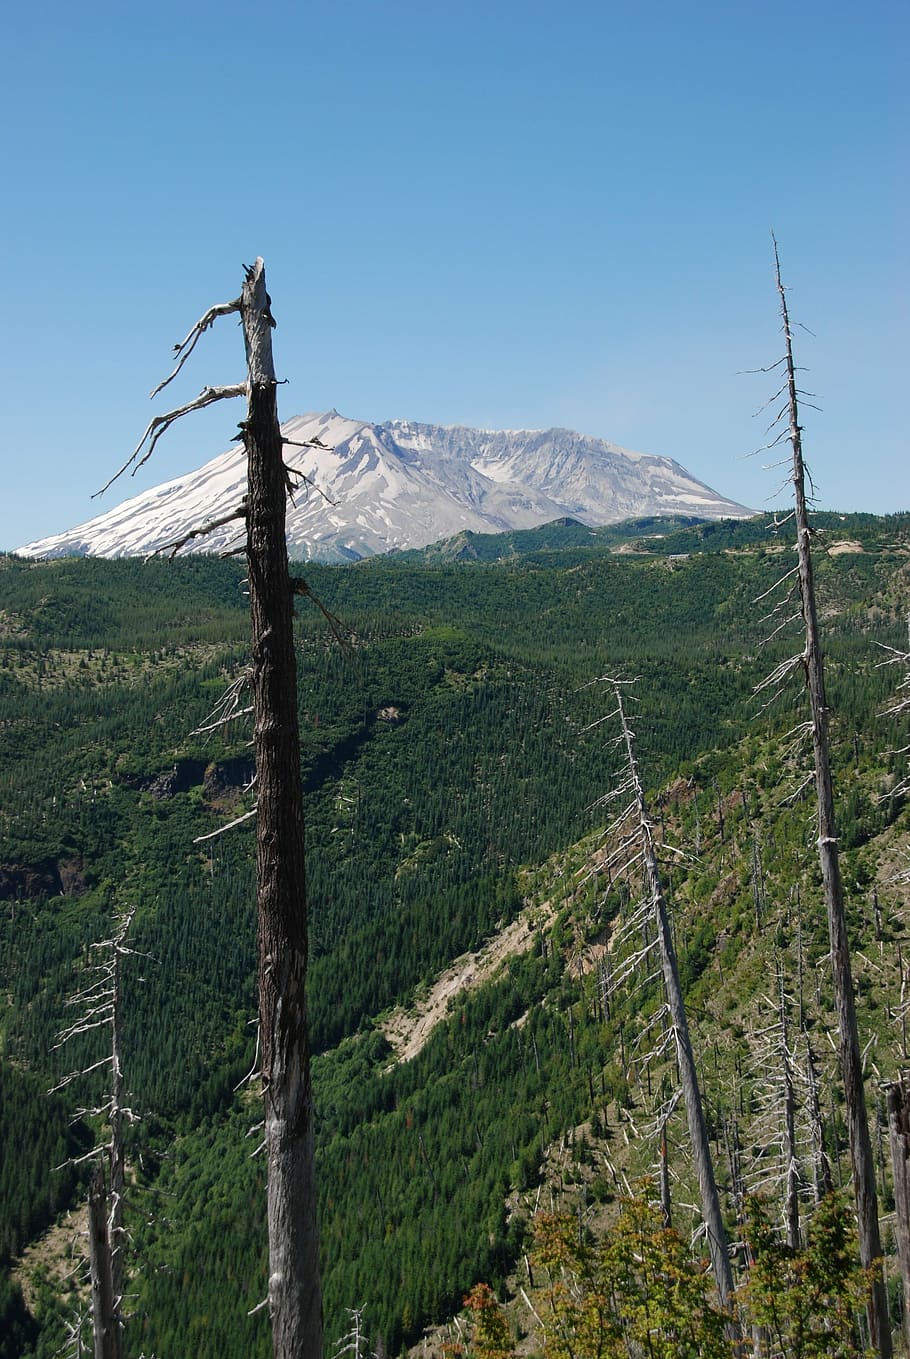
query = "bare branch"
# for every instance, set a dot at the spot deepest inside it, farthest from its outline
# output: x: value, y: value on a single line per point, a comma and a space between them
x: 781, y: 627
x: 238, y: 821
x: 765, y: 404
x: 253, y: 1071
x: 305, y: 480
x: 161, y: 423
x: 770, y: 368
x: 227, y: 708
x: 173, y: 548
x: 776, y: 586
x: 186, y: 346
x: 779, y: 673
x: 338, y: 627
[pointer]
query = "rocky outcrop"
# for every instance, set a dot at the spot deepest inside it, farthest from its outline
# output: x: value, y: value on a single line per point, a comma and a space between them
x: 49, y: 878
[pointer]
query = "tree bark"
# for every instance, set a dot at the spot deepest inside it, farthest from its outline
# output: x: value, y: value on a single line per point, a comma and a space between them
x: 117, y: 1236
x: 899, y: 1128
x: 791, y: 1173
x: 295, y: 1297
x: 105, y: 1329
x: 821, y: 1164
x: 849, y: 1050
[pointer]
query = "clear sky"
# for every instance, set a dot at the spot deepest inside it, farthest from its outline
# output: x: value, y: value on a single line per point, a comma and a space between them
x: 491, y: 213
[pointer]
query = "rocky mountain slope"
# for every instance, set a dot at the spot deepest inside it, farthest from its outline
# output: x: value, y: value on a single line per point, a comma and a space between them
x: 366, y: 489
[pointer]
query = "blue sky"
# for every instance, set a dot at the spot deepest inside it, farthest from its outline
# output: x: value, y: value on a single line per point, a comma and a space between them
x: 499, y: 214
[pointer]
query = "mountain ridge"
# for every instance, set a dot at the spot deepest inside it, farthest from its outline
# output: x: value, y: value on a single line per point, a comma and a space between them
x: 365, y: 489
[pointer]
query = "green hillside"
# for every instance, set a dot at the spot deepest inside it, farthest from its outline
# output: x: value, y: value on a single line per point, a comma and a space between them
x: 453, y: 765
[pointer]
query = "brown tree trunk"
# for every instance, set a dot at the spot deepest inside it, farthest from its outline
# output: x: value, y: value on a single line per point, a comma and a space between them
x: 850, y: 1058
x: 295, y: 1297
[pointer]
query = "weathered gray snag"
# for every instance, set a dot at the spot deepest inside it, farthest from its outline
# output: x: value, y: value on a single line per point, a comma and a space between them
x: 117, y: 1236
x: 105, y: 1324
x: 791, y: 1192
x: 899, y: 1129
x: 101, y: 1005
x: 848, y: 1034
x: 698, y: 1133
x: 295, y: 1298
x: 294, y: 1294
x: 821, y: 1165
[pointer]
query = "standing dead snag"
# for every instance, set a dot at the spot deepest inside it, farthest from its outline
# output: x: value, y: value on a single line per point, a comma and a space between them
x: 295, y: 1294
x: 105, y: 1313
x: 899, y: 1128
x: 848, y: 1034
x: 101, y: 1006
x: 698, y: 1133
x: 295, y: 1299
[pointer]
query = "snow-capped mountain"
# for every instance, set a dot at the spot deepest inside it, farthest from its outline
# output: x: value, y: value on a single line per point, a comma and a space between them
x: 373, y: 488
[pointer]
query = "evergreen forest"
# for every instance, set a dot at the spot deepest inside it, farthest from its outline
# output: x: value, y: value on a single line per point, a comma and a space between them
x: 458, y: 760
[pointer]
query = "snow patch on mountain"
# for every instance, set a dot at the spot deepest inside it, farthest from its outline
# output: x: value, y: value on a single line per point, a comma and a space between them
x: 370, y: 488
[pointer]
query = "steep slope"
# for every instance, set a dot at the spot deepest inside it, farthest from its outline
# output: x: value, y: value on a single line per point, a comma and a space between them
x: 366, y: 489
x: 453, y: 765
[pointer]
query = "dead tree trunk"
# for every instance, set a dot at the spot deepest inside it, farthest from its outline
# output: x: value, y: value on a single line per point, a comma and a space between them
x: 295, y: 1294
x: 666, y: 1203
x: 117, y: 1153
x: 295, y: 1298
x: 101, y: 1004
x: 105, y: 1324
x: 899, y: 1128
x: 791, y: 1181
x: 698, y: 1133
x: 821, y: 1164
x: 849, y: 1049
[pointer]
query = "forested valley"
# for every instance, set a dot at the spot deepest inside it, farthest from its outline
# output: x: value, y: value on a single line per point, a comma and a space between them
x: 457, y: 756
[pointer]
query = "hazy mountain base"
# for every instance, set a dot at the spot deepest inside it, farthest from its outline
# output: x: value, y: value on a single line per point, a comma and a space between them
x: 429, y: 1169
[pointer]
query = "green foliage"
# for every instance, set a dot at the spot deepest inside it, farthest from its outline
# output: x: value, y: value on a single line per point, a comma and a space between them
x: 36, y: 1136
x: 635, y: 1291
x: 806, y: 1300
x: 451, y: 768
x: 18, y: 1330
x: 490, y: 1334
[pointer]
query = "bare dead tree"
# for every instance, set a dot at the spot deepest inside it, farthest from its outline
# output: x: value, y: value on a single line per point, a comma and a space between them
x: 900, y: 706
x: 899, y: 1129
x: 791, y: 1197
x: 758, y: 881
x: 294, y: 1290
x: 849, y: 1049
x: 776, y: 1168
x: 105, y: 1321
x: 354, y: 1342
x: 820, y: 1163
x: 295, y: 1294
x: 641, y: 831
x: 100, y: 1005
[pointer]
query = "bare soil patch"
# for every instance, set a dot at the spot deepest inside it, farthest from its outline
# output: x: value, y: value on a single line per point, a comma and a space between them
x: 409, y: 1029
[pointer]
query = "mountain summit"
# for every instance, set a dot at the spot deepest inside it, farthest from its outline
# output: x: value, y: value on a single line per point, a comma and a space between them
x: 367, y: 489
